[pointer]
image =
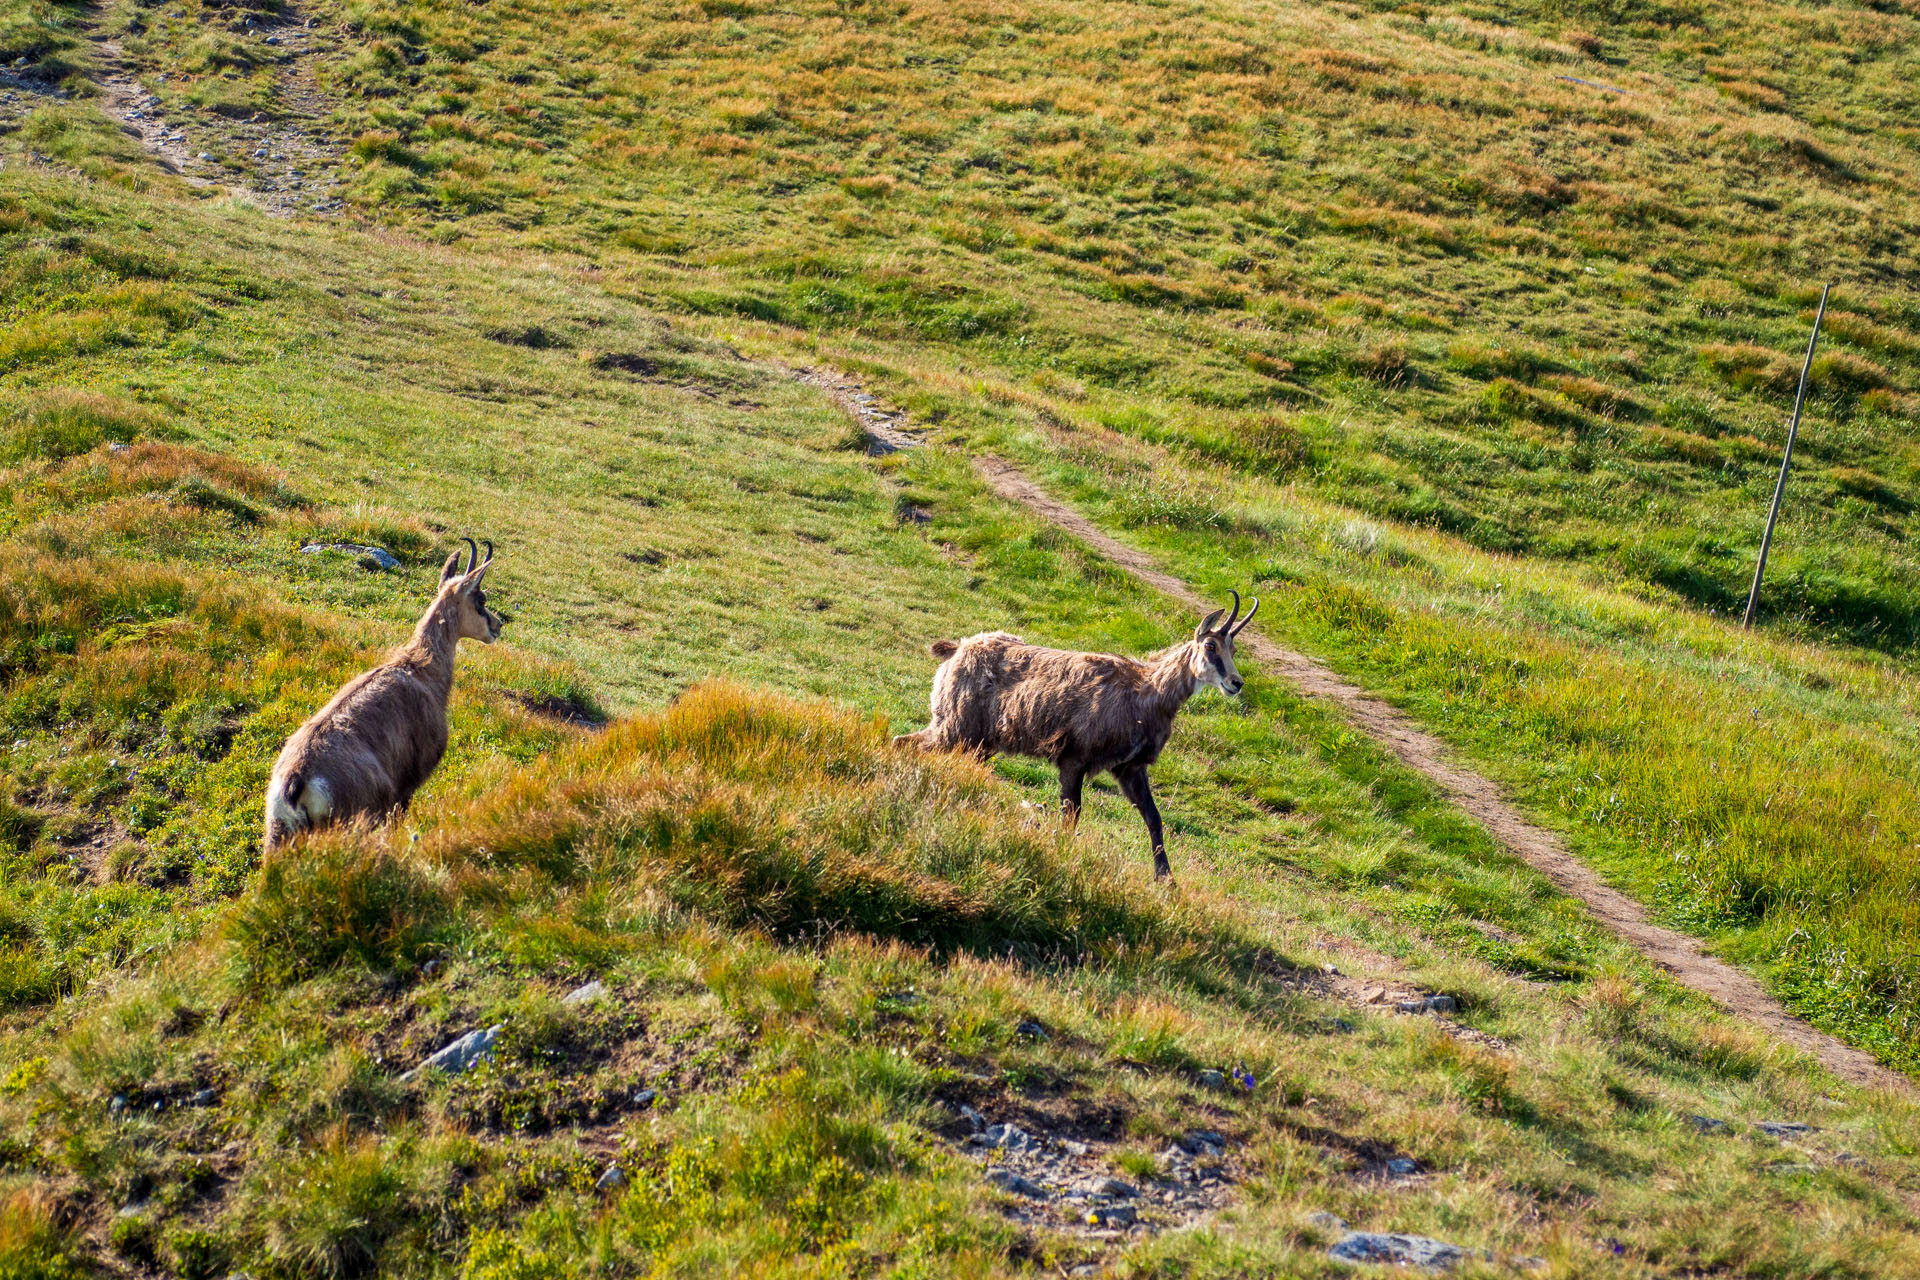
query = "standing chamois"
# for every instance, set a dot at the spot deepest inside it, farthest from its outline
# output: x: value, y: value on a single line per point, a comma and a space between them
x: 365, y: 753
x: 1084, y: 712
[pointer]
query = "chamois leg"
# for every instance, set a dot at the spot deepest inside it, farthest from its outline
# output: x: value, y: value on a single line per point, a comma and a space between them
x: 1071, y: 778
x: 1135, y: 787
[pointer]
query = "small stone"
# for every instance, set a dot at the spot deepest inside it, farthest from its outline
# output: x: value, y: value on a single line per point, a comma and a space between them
x: 1402, y: 1167
x: 1009, y: 1181
x: 118, y: 447
x: 1850, y: 1160
x: 1211, y: 1079
x: 430, y: 968
x: 645, y: 1097
x: 1204, y: 1142
x: 1527, y: 1262
x: 611, y: 1180
x: 583, y: 994
x: 1031, y: 1030
x: 369, y: 557
x: 1783, y: 1128
x: 1115, y: 1187
x: 1787, y: 1167
x: 1440, y: 1004
x: 1074, y: 1148
x: 1397, y: 1250
x: 1707, y: 1124
x: 206, y: 155
x: 471, y: 1048
x: 1410, y: 1006
x: 117, y: 1104
x: 974, y: 1119
x: 1112, y: 1215
x: 205, y: 1098
x: 1010, y: 1136
x: 907, y: 996
x: 1321, y: 1220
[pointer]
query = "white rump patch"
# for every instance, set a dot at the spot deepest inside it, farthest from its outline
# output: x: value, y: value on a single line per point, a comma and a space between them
x: 317, y: 799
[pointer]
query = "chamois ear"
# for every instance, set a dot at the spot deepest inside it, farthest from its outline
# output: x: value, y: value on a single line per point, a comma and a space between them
x: 452, y: 570
x: 1206, y: 624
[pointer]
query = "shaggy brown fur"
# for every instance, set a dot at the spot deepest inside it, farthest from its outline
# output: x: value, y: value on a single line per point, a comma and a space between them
x: 1084, y: 712
x: 366, y: 752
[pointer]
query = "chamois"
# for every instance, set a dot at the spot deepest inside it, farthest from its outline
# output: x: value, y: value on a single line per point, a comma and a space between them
x: 366, y: 752
x: 1083, y: 712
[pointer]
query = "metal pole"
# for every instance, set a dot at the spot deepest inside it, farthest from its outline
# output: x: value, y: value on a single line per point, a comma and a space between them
x: 1786, y: 460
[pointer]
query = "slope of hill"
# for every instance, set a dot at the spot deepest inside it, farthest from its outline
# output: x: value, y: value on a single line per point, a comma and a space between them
x: 559, y: 307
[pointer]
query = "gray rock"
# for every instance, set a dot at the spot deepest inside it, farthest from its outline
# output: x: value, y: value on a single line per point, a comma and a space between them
x: 907, y: 996
x: 1073, y: 1148
x: 430, y: 968
x: 1211, y: 1079
x: 1392, y: 1249
x: 1851, y: 1160
x: 1116, y: 1188
x: 1321, y: 1220
x: 205, y: 1098
x: 1428, y: 1004
x: 645, y: 1097
x: 582, y: 995
x: 1112, y: 1215
x: 1783, y: 1128
x: 117, y: 1104
x: 975, y: 1121
x: 1009, y: 1181
x: 375, y: 557
x: 1010, y: 1136
x: 1707, y: 1124
x: 1204, y: 1142
x: 1402, y: 1167
x: 471, y: 1048
x: 1031, y: 1030
x: 611, y: 1180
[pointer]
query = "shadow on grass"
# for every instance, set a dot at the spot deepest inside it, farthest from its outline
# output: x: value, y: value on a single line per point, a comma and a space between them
x: 750, y: 811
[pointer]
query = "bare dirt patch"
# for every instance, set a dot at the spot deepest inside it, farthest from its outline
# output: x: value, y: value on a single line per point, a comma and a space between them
x: 285, y: 161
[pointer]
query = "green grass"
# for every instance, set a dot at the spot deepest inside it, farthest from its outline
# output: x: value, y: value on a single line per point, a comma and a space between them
x: 1233, y: 295
x: 1464, y: 290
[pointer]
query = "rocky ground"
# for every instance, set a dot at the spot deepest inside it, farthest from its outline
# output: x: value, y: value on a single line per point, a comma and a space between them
x: 285, y: 159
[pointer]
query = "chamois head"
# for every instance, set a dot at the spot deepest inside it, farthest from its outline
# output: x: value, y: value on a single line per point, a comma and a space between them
x: 1211, y: 656
x: 461, y: 594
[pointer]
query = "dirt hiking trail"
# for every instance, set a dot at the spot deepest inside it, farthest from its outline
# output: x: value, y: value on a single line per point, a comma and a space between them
x: 1679, y: 955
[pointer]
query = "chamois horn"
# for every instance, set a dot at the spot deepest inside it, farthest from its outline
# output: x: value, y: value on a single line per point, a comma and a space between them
x: 1249, y: 618
x: 473, y: 556
x: 489, y: 560
x: 1227, y: 626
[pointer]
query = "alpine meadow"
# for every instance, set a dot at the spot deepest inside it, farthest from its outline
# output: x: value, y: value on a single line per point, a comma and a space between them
x: 1528, y: 915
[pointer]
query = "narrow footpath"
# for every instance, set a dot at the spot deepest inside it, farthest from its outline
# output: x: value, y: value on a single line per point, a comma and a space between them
x: 1683, y: 957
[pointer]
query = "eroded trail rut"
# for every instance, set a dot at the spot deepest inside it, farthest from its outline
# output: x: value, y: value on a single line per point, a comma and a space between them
x: 1679, y: 955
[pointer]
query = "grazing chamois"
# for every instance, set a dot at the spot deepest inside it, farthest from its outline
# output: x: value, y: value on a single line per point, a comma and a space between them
x: 1084, y: 712
x: 365, y: 753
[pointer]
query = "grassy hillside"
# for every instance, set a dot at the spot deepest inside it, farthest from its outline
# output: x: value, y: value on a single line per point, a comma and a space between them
x: 1532, y: 276
x: 551, y: 316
